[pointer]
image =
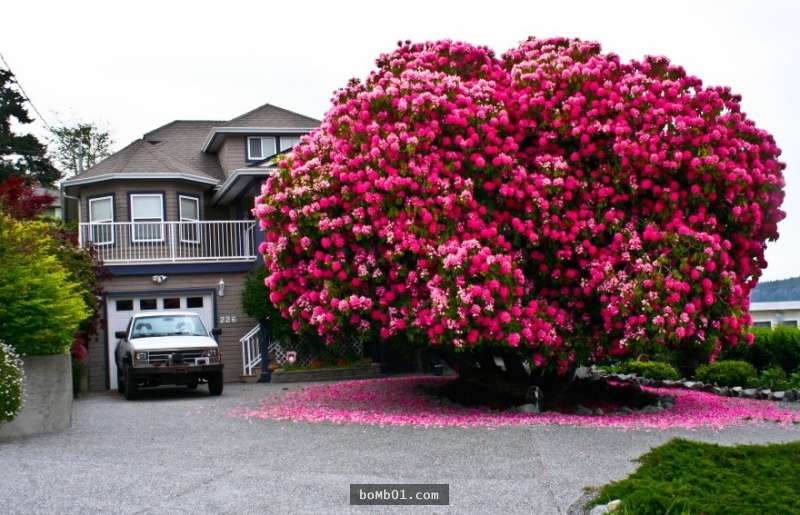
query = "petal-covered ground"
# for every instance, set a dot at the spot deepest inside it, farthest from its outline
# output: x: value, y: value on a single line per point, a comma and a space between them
x: 402, y: 401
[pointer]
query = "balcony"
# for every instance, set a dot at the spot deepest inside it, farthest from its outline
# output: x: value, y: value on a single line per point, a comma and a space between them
x: 135, y: 243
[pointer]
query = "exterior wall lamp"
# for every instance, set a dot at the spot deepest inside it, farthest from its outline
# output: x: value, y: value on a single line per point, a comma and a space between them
x: 221, y: 288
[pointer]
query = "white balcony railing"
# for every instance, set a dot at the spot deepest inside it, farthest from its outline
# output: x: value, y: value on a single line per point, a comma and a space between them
x: 207, y: 241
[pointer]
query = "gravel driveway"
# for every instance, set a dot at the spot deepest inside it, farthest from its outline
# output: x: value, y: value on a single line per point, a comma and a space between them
x: 176, y: 451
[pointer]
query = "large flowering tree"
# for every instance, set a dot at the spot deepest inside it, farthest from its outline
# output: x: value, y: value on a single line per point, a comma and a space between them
x: 556, y: 203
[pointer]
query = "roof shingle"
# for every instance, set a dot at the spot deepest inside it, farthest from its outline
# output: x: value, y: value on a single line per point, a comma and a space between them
x: 176, y: 147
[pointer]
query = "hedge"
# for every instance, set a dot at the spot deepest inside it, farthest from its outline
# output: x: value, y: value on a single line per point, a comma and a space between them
x: 651, y: 369
x: 727, y: 373
x: 779, y: 347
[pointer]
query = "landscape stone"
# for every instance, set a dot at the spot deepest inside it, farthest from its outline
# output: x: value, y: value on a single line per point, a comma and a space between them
x: 582, y: 410
x: 689, y: 384
x: 600, y: 509
x: 721, y: 390
x: 790, y: 395
x: 749, y: 393
x: 583, y: 372
x: 599, y: 411
x: 765, y: 393
x: 528, y: 408
x: 736, y: 391
x: 614, y: 505
x: 777, y: 396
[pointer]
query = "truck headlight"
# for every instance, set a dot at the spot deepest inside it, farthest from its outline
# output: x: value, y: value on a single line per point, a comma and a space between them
x: 211, y: 353
x: 140, y: 356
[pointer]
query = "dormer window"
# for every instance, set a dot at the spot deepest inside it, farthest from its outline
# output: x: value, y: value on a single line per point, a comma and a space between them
x: 260, y: 148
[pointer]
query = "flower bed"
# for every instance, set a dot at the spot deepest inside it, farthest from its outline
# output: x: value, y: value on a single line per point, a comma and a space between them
x: 402, y: 401
x: 355, y: 371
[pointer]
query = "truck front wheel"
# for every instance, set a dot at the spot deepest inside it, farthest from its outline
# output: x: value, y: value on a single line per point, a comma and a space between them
x: 120, y: 381
x: 215, y: 384
x: 131, y: 388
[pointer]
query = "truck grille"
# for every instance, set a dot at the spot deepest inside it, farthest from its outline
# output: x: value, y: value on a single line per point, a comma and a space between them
x: 174, y: 357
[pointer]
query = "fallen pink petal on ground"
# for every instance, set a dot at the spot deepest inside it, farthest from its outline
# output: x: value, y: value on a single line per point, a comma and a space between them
x: 400, y: 401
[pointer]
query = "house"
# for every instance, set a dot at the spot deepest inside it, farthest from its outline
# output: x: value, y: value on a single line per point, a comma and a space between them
x: 170, y: 217
x: 775, y: 303
x: 53, y: 210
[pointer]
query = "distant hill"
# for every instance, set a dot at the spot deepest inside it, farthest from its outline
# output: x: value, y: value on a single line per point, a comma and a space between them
x: 777, y: 291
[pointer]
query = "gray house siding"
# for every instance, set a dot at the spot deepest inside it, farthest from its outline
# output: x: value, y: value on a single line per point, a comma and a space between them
x: 121, y: 191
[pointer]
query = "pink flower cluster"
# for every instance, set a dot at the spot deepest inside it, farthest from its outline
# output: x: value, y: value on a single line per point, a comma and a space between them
x: 556, y: 199
x: 400, y: 401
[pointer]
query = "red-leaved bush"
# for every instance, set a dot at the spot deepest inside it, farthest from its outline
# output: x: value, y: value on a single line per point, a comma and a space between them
x: 556, y: 200
x: 19, y: 199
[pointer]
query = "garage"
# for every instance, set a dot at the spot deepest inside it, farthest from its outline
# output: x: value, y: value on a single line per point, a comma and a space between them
x: 120, y: 308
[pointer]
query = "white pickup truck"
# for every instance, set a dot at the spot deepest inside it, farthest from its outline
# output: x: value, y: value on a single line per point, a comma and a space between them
x: 167, y: 347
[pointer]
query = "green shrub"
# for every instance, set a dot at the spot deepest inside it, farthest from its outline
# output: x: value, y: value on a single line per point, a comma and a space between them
x: 727, y: 373
x: 40, y: 308
x: 10, y: 383
x: 779, y: 347
x: 256, y: 303
x: 773, y: 378
x: 684, y: 477
x: 794, y: 380
x: 651, y: 369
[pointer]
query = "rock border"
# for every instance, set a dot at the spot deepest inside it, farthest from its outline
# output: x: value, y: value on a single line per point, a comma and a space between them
x: 661, y: 403
x: 792, y: 395
x: 610, y: 507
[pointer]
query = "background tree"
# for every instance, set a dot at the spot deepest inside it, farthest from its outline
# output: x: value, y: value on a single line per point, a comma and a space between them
x: 556, y: 206
x: 80, y: 146
x: 21, y: 155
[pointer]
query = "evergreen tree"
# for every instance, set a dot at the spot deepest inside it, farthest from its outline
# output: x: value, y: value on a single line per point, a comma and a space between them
x: 21, y: 155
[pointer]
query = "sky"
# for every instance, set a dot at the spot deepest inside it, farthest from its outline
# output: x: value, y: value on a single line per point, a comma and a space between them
x: 133, y: 66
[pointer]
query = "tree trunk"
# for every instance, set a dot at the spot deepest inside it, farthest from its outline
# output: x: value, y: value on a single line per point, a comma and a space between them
x: 515, y: 382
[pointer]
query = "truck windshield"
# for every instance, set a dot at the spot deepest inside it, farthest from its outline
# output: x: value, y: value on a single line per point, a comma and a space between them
x: 168, y: 325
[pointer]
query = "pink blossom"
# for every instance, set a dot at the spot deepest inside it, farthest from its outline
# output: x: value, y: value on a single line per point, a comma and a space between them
x: 554, y: 199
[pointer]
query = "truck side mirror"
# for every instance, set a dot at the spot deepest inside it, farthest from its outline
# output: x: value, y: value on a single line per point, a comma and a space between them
x: 121, y: 334
x: 216, y: 331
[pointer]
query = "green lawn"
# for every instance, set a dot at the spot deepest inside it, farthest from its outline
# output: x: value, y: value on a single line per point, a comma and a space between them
x: 682, y: 477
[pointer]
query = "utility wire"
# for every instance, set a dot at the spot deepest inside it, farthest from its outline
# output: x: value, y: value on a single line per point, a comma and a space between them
x: 24, y: 94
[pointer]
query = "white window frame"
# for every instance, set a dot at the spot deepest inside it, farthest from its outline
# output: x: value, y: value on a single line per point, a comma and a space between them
x: 283, y: 149
x: 93, y: 223
x: 184, y: 220
x: 261, y: 139
x: 134, y: 220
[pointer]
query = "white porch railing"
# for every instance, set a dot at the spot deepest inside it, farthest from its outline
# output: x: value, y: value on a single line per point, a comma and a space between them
x: 251, y: 354
x: 171, y: 242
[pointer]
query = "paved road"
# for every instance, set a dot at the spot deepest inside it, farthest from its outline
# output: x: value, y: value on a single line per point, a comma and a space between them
x: 177, y: 452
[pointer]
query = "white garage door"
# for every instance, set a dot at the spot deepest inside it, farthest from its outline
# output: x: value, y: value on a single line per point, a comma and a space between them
x: 120, y: 309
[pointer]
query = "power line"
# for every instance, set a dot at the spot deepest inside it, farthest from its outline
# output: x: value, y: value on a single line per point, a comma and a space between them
x: 24, y: 94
